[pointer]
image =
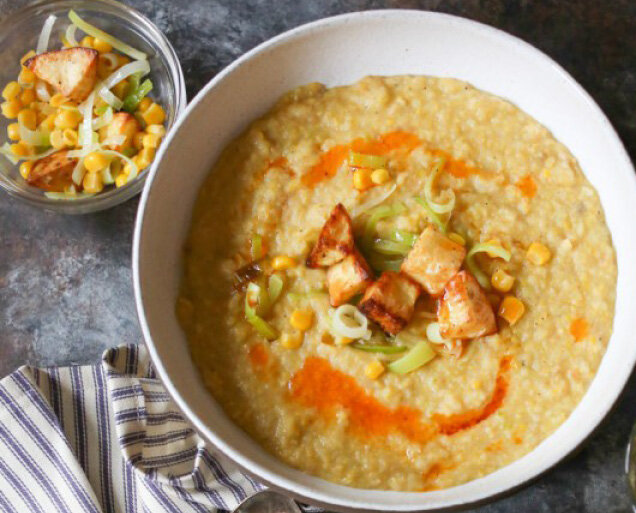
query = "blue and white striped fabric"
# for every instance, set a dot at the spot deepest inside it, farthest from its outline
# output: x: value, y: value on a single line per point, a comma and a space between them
x: 106, y: 439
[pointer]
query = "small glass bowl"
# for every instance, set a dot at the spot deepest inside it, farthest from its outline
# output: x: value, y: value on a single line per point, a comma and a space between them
x: 19, y: 33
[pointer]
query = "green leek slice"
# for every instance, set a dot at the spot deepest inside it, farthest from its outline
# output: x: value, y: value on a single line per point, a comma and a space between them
x: 275, y: 287
x: 91, y: 30
x: 260, y: 325
x: 435, y: 219
x: 107, y: 176
x: 484, y: 247
x: 389, y: 247
x: 256, y: 248
x: 364, y: 160
x: 257, y: 298
x: 419, y: 355
x: 102, y: 109
x: 438, y: 208
x: 376, y: 215
x: 403, y: 236
x: 380, y: 263
x: 490, y: 247
x: 132, y: 100
x: 40, y: 137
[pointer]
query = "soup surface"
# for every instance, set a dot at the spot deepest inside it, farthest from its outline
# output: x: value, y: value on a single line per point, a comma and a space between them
x: 337, y: 406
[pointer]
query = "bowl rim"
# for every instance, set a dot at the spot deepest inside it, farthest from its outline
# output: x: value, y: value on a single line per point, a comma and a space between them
x: 115, y: 196
x: 276, y: 481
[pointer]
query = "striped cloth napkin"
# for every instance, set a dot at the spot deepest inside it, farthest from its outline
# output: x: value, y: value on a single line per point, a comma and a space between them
x: 106, y: 439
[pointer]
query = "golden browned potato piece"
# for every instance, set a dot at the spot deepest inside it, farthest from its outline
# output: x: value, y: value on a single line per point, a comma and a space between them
x: 465, y: 311
x: 433, y: 261
x: 72, y: 71
x: 390, y: 301
x: 53, y: 173
x: 335, y: 241
x: 123, y: 123
x: 348, y: 278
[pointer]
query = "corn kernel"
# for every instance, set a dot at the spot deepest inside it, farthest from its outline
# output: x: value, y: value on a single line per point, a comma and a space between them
x: 70, y: 137
x: 25, y: 168
x: 20, y: 149
x: 140, y: 161
x: 95, y: 161
x: 327, y: 338
x: 13, y: 131
x: 28, y: 118
x: 11, y: 108
x: 151, y: 141
x: 93, y: 183
x: 57, y: 100
x: 144, y: 104
x: 502, y: 281
x: 147, y: 154
x: 538, y: 254
x: 159, y: 130
x: 291, y: 340
x: 11, y: 91
x: 511, y: 309
x: 28, y: 96
x: 26, y: 76
x: 49, y: 122
x: 495, y: 242
x: 456, y: 237
x: 343, y: 341
x: 57, y: 139
x: 380, y: 176
x: 302, y: 319
x: 362, y: 179
x: 138, y: 140
x: 120, y: 89
x: 121, y: 179
x: 104, y: 67
x: 102, y: 46
x: 374, y: 370
x: 154, y: 115
x: 122, y: 60
x: 27, y: 56
x: 39, y: 114
x: 87, y: 42
x: 283, y: 262
x: 68, y: 119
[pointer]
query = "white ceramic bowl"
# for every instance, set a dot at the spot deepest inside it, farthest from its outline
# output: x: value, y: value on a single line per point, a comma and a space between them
x: 337, y: 51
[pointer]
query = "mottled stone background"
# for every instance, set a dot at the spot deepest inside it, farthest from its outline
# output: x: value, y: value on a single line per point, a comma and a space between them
x: 65, y: 282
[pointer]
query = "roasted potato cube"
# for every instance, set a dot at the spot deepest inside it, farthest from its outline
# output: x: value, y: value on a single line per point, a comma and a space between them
x: 433, y: 261
x: 390, y: 300
x: 52, y: 173
x: 464, y: 311
x: 125, y: 124
x: 347, y: 278
x: 72, y: 71
x: 335, y: 241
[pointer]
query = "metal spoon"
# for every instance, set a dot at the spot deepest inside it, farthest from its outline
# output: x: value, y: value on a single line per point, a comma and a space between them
x: 268, y: 501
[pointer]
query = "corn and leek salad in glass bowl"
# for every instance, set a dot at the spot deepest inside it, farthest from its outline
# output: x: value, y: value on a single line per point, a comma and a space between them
x: 82, y: 117
x: 89, y: 89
